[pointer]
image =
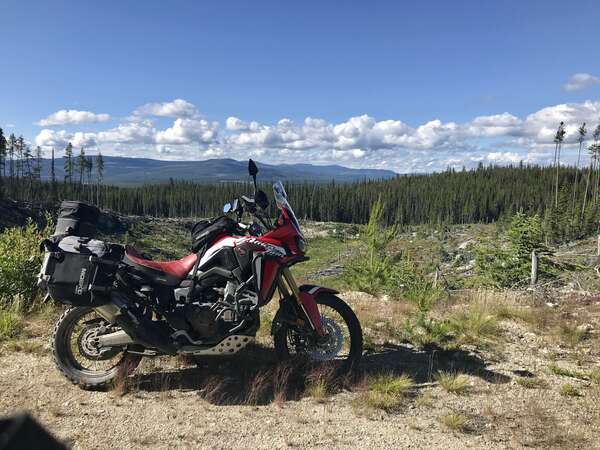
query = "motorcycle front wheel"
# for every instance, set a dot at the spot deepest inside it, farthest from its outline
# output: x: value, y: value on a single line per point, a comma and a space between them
x: 343, y: 342
x: 76, y: 356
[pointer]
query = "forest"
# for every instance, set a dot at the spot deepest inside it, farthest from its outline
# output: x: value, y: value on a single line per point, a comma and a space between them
x: 566, y: 197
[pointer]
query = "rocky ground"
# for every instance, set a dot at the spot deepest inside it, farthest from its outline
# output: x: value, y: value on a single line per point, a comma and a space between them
x: 514, y: 393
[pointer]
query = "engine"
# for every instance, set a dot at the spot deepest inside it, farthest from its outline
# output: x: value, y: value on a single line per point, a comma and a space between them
x: 213, y: 313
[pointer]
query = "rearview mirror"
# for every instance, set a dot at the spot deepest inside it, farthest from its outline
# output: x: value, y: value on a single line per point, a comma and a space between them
x: 252, y: 169
x: 226, y: 208
x: 261, y: 199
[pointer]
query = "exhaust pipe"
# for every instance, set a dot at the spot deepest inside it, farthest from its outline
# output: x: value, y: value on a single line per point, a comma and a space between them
x: 116, y: 339
x: 136, y: 329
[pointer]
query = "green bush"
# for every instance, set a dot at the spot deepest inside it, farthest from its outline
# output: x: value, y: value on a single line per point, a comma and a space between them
x: 20, y: 261
x: 508, y: 263
x: 371, y: 272
x: 10, y: 322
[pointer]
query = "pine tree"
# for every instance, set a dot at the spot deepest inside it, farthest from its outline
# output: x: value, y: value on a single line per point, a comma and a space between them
x: 558, y: 139
x: 52, y: 169
x: 3, y: 151
x: 53, y: 177
x: 20, y: 156
x: 89, y: 166
x: 37, y: 167
x: 69, y: 163
x: 27, y: 166
x: 100, y: 168
x: 582, y: 132
x: 81, y: 165
x: 596, y: 136
x: 99, y: 175
x: 592, y: 151
x: 12, y: 147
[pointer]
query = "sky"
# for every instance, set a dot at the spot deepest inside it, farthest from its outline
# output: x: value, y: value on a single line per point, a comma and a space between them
x: 407, y: 86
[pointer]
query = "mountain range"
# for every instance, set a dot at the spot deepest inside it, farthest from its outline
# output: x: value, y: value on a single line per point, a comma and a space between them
x: 134, y: 171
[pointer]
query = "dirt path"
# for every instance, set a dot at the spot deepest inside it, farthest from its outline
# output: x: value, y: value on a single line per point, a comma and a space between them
x: 172, y: 404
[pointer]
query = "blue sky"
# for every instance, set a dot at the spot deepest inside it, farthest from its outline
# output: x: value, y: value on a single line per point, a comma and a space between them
x: 414, y: 86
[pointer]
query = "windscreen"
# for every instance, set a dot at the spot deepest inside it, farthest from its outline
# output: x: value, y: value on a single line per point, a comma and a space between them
x: 282, y: 203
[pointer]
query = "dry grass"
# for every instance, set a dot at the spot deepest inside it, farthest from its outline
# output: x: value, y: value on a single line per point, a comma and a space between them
x: 282, y: 385
x: 568, y: 390
x: 539, y: 427
x: 386, y: 392
x: 259, y: 388
x: 514, y: 313
x: 214, y: 390
x: 322, y: 381
x: 454, y: 421
x: 26, y: 346
x: 426, y: 399
x: 570, y: 334
x: 532, y: 383
x: 317, y: 390
x: 564, y: 372
x: 475, y: 325
x: 453, y: 382
x: 11, y: 323
x: 382, y: 320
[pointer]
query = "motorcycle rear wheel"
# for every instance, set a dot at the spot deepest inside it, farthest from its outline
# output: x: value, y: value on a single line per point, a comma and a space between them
x: 77, y: 360
x: 345, y: 342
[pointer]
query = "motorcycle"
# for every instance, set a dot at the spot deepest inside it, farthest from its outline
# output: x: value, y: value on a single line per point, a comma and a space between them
x: 125, y: 307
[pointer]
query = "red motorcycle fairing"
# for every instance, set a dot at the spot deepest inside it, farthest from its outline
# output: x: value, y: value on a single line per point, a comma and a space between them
x: 265, y: 268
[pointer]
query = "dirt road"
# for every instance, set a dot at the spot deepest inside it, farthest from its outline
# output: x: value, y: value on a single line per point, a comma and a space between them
x: 174, y: 404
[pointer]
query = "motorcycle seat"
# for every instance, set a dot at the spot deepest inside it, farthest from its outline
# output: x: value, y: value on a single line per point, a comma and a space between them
x: 178, y: 268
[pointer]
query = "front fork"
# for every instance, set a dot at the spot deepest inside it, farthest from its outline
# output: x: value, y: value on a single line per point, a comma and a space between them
x: 306, y: 302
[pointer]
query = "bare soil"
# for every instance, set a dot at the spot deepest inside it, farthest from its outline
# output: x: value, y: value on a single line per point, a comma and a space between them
x: 172, y: 403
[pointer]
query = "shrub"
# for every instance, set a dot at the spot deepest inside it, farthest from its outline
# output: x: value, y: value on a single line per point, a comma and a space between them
x: 568, y: 390
x: 371, y: 272
x: 20, y: 261
x: 386, y: 392
x: 452, y: 382
x: 475, y: 325
x: 423, y: 331
x: 532, y: 383
x: 317, y: 390
x: 453, y: 421
x: 10, y: 322
x: 563, y: 372
x: 509, y: 265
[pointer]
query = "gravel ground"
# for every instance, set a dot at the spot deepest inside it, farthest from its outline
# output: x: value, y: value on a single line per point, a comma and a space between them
x: 168, y: 408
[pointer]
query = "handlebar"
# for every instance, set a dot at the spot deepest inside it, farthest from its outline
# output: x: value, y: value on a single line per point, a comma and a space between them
x: 247, y: 204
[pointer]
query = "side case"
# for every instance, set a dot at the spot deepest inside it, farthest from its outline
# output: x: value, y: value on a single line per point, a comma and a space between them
x: 71, y: 272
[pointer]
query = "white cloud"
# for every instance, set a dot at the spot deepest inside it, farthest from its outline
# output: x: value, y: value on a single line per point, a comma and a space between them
x: 360, y: 141
x: 59, y: 139
x: 176, y: 108
x: 188, y: 131
x: 504, y: 157
x: 72, y: 117
x: 129, y: 133
x: 580, y: 81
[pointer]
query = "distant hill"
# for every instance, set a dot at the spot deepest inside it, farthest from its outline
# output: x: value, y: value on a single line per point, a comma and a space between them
x: 135, y: 171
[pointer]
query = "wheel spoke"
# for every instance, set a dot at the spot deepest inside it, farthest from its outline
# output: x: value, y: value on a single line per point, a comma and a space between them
x: 83, y: 354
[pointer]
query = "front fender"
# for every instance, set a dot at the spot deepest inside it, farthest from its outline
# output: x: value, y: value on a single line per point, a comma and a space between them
x: 315, y: 290
x: 308, y: 300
